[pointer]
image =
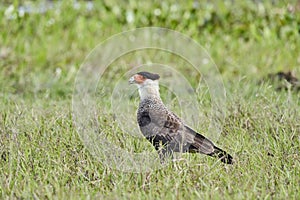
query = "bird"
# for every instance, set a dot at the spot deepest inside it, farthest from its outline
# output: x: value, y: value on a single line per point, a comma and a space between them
x: 164, y: 129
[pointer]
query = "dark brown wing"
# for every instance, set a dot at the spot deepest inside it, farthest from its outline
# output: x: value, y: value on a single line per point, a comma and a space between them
x: 167, y: 134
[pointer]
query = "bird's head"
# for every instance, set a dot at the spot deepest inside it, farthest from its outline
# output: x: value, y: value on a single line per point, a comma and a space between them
x: 144, y: 78
x: 147, y: 83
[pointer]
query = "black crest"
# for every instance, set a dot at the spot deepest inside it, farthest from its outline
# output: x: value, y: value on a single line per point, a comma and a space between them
x: 149, y: 75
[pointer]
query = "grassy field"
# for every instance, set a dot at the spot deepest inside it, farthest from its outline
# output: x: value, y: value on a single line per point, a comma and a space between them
x: 42, y: 155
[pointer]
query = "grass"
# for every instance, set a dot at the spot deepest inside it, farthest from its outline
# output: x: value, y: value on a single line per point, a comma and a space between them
x: 42, y: 155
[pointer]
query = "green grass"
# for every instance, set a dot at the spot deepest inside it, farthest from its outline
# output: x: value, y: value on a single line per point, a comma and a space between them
x: 42, y: 155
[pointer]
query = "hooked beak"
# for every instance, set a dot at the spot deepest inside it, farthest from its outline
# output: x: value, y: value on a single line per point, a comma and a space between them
x: 131, y: 80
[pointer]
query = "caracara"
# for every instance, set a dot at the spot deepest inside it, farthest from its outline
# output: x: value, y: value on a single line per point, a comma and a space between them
x: 166, y: 131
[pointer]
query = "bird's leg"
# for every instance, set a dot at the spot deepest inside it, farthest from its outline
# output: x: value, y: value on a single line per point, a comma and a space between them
x: 165, y: 153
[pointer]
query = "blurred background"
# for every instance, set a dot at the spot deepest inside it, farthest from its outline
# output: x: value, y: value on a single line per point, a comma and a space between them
x: 43, y: 43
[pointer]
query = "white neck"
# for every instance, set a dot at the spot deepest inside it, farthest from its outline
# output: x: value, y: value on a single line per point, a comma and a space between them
x: 149, y: 90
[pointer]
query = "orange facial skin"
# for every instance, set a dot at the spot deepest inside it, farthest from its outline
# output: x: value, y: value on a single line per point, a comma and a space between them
x: 139, y: 79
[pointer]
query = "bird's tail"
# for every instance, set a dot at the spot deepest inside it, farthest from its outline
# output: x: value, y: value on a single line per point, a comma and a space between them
x: 222, y: 155
x: 203, y: 145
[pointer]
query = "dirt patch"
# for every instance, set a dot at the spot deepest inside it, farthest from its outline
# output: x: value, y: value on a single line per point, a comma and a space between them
x: 283, y: 81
